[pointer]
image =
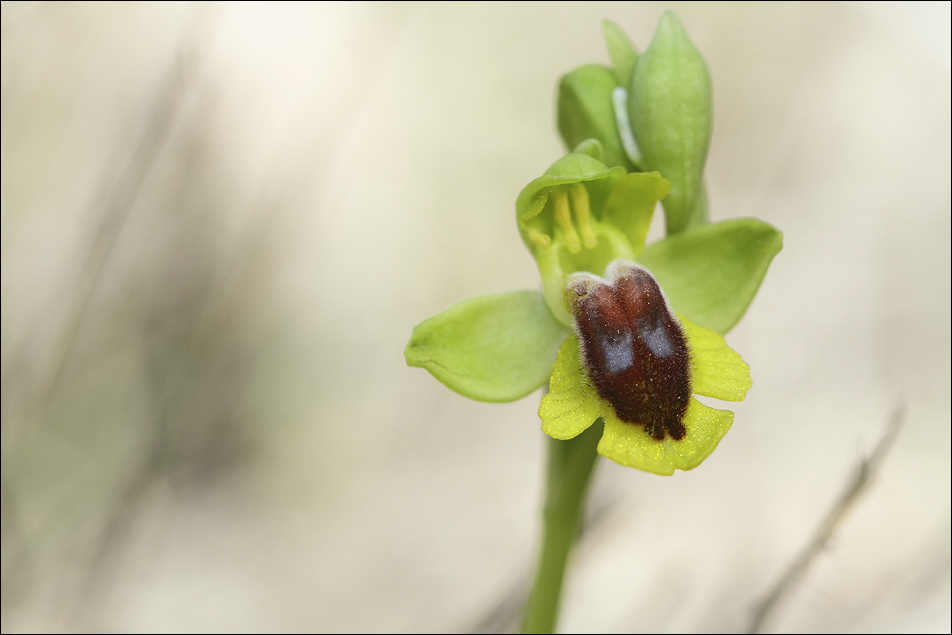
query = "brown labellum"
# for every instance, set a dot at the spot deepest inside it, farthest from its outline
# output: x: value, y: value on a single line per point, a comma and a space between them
x: 633, y: 347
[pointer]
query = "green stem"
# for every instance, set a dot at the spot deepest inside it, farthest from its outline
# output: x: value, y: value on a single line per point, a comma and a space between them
x: 569, y: 471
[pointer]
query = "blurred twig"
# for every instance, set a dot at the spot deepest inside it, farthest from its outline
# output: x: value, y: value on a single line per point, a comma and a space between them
x: 116, y: 203
x: 865, y: 471
x: 23, y: 391
x: 125, y: 177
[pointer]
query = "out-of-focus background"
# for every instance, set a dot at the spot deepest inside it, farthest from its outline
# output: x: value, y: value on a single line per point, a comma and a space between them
x: 221, y: 222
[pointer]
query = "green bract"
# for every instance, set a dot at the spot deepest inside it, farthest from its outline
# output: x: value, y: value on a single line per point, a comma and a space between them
x: 586, y: 112
x: 589, y: 209
x: 669, y: 107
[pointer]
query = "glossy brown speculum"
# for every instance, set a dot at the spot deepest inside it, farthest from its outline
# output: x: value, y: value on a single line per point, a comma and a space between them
x: 633, y: 347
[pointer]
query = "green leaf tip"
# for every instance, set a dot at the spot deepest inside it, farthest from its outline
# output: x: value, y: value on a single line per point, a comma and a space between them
x: 620, y: 50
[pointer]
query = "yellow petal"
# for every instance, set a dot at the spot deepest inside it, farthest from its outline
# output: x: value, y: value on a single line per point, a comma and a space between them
x: 572, y: 405
x: 716, y: 370
x: 629, y: 444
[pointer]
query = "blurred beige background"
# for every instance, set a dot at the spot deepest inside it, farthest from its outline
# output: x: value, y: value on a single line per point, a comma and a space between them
x: 221, y: 222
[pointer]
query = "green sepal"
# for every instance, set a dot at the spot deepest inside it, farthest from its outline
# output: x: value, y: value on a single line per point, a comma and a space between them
x: 623, y: 54
x: 711, y: 273
x: 669, y: 108
x: 585, y: 111
x: 497, y: 347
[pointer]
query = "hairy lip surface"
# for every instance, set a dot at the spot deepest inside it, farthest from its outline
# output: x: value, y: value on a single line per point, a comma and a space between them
x: 633, y: 347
